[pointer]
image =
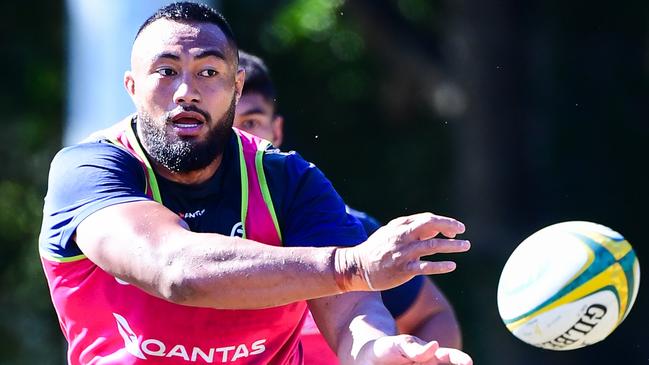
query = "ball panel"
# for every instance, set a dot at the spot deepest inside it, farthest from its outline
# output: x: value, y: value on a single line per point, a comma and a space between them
x: 616, y: 245
x: 574, y: 324
x: 539, y: 267
x: 611, y: 279
x: 631, y: 267
x: 553, y: 279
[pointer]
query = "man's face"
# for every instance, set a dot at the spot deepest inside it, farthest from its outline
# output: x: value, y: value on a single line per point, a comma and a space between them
x: 185, y: 83
x: 256, y: 115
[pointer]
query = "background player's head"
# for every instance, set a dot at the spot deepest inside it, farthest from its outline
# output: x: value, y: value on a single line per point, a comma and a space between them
x: 256, y: 112
x: 185, y: 82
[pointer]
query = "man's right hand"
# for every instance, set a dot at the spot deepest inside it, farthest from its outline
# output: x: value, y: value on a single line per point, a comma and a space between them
x: 392, y: 255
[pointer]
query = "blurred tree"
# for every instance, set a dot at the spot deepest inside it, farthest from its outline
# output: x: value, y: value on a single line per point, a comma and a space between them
x: 32, y: 93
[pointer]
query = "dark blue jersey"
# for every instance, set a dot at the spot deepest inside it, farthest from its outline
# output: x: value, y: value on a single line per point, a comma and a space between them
x: 90, y: 176
x: 398, y: 299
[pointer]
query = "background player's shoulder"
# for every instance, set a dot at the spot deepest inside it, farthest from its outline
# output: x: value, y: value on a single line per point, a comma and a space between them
x: 370, y: 224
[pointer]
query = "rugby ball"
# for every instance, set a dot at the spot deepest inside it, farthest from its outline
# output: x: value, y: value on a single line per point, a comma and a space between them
x: 568, y: 285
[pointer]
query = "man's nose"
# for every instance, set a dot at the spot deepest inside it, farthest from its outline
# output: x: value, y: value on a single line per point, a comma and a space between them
x: 186, y: 92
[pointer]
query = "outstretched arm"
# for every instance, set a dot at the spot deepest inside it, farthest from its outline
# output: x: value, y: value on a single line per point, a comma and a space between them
x: 147, y: 245
x: 361, y: 331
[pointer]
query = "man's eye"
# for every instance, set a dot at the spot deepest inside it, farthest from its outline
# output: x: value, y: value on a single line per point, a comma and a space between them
x: 166, y: 71
x: 249, y: 124
x: 208, y: 73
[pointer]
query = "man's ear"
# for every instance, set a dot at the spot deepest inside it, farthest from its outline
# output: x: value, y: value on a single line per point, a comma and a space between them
x: 278, y: 130
x: 129, y: 84
x: 239, y: 80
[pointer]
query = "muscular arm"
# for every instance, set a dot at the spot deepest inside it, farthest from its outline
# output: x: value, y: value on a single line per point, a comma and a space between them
x: 361, y: 331
x: 148, y: 246
x: 351, y: 321
x: 431, y: 317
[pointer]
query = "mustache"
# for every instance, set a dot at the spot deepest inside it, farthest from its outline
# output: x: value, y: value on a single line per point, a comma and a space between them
x: 188, y: 108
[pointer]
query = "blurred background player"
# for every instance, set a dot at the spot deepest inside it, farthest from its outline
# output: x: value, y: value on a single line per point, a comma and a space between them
x: 418, y: 306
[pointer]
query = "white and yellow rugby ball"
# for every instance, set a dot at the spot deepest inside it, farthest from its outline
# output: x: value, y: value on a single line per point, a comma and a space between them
x: 568, y: 285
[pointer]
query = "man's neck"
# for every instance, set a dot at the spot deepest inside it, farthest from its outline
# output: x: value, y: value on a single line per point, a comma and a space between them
x: 190, y: 177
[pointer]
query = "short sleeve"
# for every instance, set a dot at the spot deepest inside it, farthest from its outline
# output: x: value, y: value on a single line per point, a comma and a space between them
x: 310, y: 211
x: 82, y: 180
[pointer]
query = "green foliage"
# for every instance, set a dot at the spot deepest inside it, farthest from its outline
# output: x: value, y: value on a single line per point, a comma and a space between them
x: 31, y: 101
x: 416, y: 10
x: 27, y: 325
x: 318, y: 21
x: 305, y: 18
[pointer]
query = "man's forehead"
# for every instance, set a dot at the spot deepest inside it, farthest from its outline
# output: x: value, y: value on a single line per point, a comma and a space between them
x: 253, y: 103
x: 165, y: 35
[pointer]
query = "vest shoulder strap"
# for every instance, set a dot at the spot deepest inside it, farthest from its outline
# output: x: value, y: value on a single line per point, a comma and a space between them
x: 256, y: 203
x: 122, y: 134
x: 258, y: 215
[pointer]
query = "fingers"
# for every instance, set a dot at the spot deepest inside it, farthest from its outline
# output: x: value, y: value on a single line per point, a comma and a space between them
x: 416, y: 350
x: 431, y: 247
x: 427, y: 225
x: 431, y: 353
x: 432, y: 224
x: 431, y: 267
x: 406, y: 349
x: 452, y: 356
x: 437, y: 245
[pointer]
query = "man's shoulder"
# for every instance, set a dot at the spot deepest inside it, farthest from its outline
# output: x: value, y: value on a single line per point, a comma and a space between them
x: 310, y: 211
x: 288, y: 174
x: 276, y: 161
x: 91, y: 151
x: 84, y: 178
x: 90, y: 146
x: 275, y: 154
x: 111, y: 131
x: 92, y: 161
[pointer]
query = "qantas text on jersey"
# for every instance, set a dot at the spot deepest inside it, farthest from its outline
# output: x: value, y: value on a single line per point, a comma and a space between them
x: 148, y: 349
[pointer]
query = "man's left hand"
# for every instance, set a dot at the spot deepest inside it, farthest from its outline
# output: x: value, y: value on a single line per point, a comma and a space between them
x: 405, y: 349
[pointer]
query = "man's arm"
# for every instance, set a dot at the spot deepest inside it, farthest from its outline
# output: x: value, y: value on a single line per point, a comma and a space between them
x: 361, y: 331
x: 349, y: 321
x: 431, y: 317
x: 147, y: 245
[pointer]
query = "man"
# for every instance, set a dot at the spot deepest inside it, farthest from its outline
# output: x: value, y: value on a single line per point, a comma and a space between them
x: 418, y: 305
x: 140, y: 245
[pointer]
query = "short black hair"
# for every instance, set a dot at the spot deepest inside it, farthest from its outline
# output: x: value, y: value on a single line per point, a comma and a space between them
x: 257, y: 76
x: 188, y: 12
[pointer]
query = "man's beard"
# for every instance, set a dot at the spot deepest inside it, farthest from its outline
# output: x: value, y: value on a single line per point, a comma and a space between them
x: 180, y: 154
